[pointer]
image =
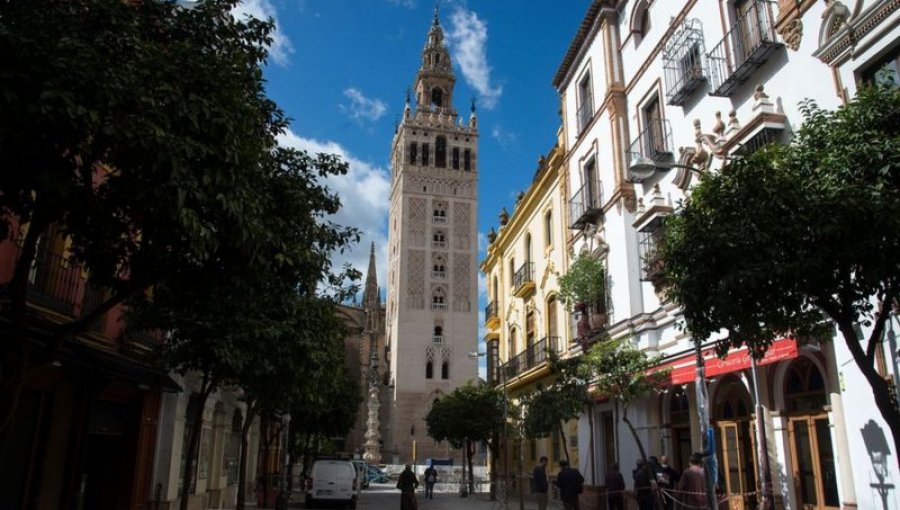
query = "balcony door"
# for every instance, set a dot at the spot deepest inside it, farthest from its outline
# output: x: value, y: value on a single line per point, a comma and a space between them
x: 655, y: 141
x: 749, y: 28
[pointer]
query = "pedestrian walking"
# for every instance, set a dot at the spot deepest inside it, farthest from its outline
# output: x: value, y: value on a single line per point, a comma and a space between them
x: 615, y: 488
x: 570, y: 484
x: 431, y: 476
x: 407, y: 483
x: 643, y: 485
x: 692, y: 484
x: 539, y: 484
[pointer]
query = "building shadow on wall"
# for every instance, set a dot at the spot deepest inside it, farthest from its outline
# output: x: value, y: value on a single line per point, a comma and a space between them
x: 879, y: 450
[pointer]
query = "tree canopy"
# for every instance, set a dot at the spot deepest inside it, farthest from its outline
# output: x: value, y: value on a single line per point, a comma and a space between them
x: 792, y: 235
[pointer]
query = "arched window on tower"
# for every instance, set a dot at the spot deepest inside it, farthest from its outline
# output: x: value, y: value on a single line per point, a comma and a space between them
x: 429, y: 370
x: 440, y: 152
x: 455, y: 158
x: 437, y: 97
x: 467, y: 160
x: 445, y: 370
x: 413, y: 149
x: 425, y: 151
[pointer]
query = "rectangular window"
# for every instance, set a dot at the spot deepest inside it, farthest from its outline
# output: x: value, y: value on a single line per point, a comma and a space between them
x: 585, y: 102
x: 548, y: 229
x: 425, y: 154
x: 885, y: 71
x: 455, y: 158
x: 467, y: 160
x: 412, y: 153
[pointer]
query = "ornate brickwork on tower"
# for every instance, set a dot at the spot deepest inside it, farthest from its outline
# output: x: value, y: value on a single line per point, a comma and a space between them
x: 432, y: 247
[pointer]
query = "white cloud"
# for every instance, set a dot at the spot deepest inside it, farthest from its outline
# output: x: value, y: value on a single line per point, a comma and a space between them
x: 482, y: 242
x: 281, y: 47
x: 409, y: 4
x: 504, y: 138
x: 361, y: 108
x: 364, y: 192
x: 482, y: 285
x: 468, y: 36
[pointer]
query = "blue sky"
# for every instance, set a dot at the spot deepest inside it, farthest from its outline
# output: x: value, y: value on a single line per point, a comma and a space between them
x: 340, y: 69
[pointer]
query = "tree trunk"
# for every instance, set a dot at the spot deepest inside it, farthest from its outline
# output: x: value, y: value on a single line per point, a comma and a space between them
x: 562, y: 437
x: 591, y: 444
x: 469, y: 454
x: 880, y: 389
x: 634, y: 433
x: 495, y: 450
x: 242, y: 468
x: 193, y: 445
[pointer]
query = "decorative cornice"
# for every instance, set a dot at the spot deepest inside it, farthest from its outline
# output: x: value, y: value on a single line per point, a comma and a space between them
x: 838, y: 48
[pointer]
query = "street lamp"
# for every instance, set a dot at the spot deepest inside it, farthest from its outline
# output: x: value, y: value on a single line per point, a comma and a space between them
x: 642, y: 168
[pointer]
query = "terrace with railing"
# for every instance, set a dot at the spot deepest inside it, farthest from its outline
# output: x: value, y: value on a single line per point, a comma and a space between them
x: 654, y: 142
x: 491, y: 317
x: 523, y: 280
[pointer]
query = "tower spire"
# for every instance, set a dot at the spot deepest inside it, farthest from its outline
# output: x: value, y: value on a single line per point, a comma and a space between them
x: 437, y: 13
x: 371, y: 291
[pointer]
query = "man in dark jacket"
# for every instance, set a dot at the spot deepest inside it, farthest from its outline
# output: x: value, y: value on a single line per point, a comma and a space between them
x: 615, y: 488
x: 643, y: 485
x: 431, y: 476
x: 539, y: 484
x: 570, y: 483
x: 407, y: 484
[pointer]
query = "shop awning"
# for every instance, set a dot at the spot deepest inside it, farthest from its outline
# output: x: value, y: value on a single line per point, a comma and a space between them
x: 684, y: 368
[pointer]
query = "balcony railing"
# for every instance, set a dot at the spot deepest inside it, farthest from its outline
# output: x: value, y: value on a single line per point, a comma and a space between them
x: 586, y: 204
x: 439, y: 219
x: 747, y: 45
x: 54, y: 283
x: 533, y: 356
x: 439, y: 274
x: 523, y: 278
x: 490, y: 312
x: 438, y: 306
x: 442, y: 245
x: 654, y: 142
x: 437, y: 339
x: 585, y: 113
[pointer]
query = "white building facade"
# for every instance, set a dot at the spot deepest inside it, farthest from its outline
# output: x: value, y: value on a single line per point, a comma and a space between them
x: 431, y: 316
x: 688, y: 82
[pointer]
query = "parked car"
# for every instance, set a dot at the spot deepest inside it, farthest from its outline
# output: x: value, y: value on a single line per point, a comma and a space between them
x: 333, y: 481
x: 370, y: 473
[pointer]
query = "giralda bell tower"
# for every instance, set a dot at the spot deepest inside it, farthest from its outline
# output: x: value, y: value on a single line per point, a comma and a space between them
x: 432, y: 248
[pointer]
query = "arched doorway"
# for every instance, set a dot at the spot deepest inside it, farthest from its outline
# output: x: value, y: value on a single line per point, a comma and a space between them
x: 812, y: 453
x: 736, y: 443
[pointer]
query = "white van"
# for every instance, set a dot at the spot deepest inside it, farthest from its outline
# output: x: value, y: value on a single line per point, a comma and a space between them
x: 333, y: 480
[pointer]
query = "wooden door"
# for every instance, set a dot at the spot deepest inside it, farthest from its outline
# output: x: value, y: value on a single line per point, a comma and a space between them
x: 814, y: 473
x: 655, y: 136
x: 749, y: 28
x: 732, y: 465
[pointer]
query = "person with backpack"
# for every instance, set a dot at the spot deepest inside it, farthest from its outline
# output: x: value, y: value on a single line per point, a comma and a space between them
x: 431, y: 476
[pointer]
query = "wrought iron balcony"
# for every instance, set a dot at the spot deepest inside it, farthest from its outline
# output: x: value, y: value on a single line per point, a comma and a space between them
x: 438, y: 306
x: 683, y: 63
x: 439, y: 219
x: 586, y: 205
x: 523, y: 280
x: 585, y: 113
x: 491, y: 316
x: 654, y: 142
x: 440, y: 275
x: 535, y: 355
x: 747, y: 45
x: 54, y: 283
x: 437, y: 339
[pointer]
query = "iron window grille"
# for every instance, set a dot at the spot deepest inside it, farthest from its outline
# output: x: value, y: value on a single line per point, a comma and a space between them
x: 683, y: 63
x: 654, y: 142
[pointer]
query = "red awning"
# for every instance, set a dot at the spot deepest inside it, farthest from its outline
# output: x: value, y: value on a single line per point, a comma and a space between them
x: 684, y: 369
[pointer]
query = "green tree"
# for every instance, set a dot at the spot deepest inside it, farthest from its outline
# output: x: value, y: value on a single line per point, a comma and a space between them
x: 780, y: 241
x: 624, y: 374
x: 583, y: 289
x: 141, y: 131
x: 550, y: 407
x: 465, y: 416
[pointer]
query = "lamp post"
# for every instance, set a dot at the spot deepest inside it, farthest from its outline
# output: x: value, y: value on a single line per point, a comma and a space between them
x: 640, y: 169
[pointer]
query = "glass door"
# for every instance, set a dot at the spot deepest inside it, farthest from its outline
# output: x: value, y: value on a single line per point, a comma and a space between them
x: 815, y: 477
x: 732, y: 465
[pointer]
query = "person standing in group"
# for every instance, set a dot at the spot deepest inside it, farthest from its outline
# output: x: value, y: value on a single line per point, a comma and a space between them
x: 692, y: 484
x: 667, y: 479
x: 431, y: 476
x: 539, y: 484
x: 407, y: 483
x: 615, y: 488
x: 570, y: 483
x: 643, y: 485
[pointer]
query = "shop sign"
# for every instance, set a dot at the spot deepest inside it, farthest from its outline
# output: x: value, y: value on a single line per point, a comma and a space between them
x: 683, y: 370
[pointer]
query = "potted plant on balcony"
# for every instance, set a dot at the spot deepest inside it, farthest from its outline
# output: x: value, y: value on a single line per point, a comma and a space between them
x: 583, y: 290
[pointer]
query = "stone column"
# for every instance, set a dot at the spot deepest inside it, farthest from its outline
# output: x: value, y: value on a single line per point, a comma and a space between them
x: 836, y: 416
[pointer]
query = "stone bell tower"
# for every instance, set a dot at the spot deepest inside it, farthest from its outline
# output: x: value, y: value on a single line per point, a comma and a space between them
x: 432, y: 248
